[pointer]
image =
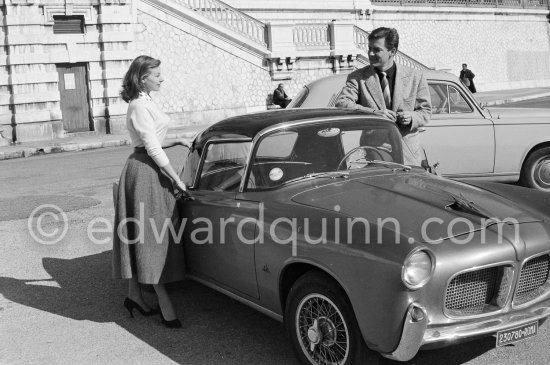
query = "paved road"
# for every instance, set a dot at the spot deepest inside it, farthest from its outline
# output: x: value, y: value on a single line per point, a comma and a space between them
x: 533, y: 103
x: 58, y: 303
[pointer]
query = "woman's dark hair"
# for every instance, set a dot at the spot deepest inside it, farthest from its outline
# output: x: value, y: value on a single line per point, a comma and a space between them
x: 389, y: 34
x: 131, y: 85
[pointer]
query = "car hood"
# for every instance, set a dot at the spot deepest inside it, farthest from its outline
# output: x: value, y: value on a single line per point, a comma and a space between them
x: 532, y: 114
x: 414, y: 200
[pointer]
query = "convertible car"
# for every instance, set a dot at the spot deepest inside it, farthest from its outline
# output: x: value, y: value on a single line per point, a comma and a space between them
x: 311, y: 217
x: 464, y: 139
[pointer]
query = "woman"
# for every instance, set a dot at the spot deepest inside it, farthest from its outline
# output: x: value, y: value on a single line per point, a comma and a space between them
x: 144, y: 250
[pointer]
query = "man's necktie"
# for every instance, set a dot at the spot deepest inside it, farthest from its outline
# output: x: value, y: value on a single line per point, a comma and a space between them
x: 386, y: 90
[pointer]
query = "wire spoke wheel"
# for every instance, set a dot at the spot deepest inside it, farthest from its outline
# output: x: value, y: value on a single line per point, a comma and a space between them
x: 322, y: 331
x: 321, y: 323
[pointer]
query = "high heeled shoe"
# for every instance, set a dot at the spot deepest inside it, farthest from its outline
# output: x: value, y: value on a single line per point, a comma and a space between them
x: 130, y: 305
x: 175, y: 323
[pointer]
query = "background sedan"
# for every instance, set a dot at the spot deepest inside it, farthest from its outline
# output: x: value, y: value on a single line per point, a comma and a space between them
x: 463, y: 138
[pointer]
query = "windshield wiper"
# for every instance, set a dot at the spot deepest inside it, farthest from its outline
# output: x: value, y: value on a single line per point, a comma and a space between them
x: 329, y: 174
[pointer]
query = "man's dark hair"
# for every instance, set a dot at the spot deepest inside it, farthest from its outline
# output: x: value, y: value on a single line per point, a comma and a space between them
x: 464, y: 65
x: 389, y: 34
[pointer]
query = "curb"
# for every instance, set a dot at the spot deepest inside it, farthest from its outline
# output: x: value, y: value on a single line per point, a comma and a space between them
x: 62, y: 147
x: 516, y: 99
x: 74, y: 146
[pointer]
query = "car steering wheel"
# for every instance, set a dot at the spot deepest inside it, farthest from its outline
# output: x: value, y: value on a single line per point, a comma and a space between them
x: 365, y: 148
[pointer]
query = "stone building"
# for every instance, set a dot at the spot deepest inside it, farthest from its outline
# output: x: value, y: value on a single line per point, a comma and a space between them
x: 61, y: 64
x: 63, y: 61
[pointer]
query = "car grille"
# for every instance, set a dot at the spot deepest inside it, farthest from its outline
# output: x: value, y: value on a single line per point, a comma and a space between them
x: 471, y: 292
x: 533, y: 276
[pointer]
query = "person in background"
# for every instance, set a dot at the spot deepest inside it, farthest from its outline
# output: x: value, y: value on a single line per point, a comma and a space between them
x: 280, y: 97
x: 467, y: 78
x: 145, y: 200
x: 394, y: 91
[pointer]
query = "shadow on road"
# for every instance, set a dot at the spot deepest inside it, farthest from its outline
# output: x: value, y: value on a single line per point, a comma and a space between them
x: 216, y: 329
x: 452, y: 355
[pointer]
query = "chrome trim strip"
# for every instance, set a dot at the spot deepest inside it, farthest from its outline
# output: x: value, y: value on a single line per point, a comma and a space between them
x: 483, y: 175
x: 259, y: 308
x: 315, y: 121
x: 509, y: 295
x: 456, y: 332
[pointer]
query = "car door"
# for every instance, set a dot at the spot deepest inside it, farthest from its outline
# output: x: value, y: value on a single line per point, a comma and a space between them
x: 458, y: 136
x: 220, y: 229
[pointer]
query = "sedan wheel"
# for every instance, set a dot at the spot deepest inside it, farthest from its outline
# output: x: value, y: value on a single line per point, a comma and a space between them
x: 536, y: 170
x: 321, y: 323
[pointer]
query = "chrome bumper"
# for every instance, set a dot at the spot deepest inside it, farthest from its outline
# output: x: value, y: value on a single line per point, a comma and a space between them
x: 417, y: 334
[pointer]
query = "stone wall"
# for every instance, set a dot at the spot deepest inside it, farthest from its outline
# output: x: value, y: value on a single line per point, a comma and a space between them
x: 199, y: 76
x: 213, y: 70
x: 29, y: 52
x: 208, y: 79
x: 505, y: 49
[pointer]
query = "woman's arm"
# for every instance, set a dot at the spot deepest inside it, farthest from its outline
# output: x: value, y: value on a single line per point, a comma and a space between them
x: 169, y: 171
x: 176, y: 142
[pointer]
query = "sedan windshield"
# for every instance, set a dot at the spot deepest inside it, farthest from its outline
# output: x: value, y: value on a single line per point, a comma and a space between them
x: 308, y: 150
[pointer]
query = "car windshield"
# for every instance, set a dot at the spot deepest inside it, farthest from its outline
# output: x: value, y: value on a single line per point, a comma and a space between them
x: 316, y: 150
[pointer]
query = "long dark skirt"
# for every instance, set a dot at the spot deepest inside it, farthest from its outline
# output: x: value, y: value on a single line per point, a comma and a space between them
x: 145, y: 210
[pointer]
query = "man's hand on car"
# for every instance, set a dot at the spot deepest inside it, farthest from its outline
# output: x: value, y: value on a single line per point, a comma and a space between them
x: 404, y: 118
x: 390, y: 114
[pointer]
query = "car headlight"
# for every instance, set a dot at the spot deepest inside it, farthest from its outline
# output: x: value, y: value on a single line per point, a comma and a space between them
x: 417, y: 268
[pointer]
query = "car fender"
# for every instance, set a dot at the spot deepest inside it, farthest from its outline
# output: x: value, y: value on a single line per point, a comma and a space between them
x: 515, y: 139
x: 535, y: 201
x: 378, y: 314
x: 370, y: 275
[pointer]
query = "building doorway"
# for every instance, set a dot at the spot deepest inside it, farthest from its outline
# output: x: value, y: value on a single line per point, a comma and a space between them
x: 73, y: 89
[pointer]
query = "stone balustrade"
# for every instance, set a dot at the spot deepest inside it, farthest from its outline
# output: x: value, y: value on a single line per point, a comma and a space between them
x: 339, y: 41
x: 311, y: 36
x: 526, y: 4
x: 230, y: 17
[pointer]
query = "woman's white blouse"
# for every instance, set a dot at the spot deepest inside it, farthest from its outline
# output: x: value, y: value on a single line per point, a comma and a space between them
x: 148, y: 125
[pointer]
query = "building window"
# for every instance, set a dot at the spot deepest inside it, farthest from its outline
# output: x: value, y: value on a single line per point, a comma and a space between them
x: 68, y: 24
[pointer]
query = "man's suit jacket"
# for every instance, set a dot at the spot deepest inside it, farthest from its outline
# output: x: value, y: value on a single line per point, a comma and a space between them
x: 410, y: 93
x: 470, y: 76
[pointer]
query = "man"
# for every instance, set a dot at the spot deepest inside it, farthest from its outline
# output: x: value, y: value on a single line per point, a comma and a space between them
x: 467, y: 78
x: 280, y: 97
x: 396, y: 92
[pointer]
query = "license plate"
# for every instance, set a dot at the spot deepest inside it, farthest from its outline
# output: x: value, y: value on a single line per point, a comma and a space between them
x: 515, y: 334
